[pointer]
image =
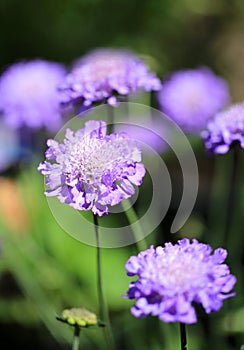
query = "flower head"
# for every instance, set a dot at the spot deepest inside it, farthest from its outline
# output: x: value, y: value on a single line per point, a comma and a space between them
x: 29, y: 96
x: 225, y: 128
x: 92, y: 170
x: 172, y: 277
x: 105, y: 73
x: 79, y: 317
x: 190, y: 97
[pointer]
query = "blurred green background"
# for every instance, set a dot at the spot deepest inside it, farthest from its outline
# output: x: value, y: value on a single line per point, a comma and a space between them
x: 43, y: 269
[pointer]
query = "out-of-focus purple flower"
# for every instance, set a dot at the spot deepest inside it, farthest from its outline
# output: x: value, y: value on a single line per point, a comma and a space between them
x: 226, y: 127
x: 172, y: 277
x: 150, y: 133
x: 29, y: 96
x: 190, y: 97
x: 104, y: 74
x: 92, y: 170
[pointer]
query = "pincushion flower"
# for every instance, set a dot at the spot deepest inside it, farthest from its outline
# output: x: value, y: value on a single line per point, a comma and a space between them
x: 190, y: 97
x: 225, y: 128
x: 104, y: 74
x: 29, y: 96
x: 173, y: 277
x: 92, y: 170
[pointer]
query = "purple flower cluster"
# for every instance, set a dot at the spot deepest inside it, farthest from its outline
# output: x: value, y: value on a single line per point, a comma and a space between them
x: 172, y: 277
x: 105, y: 73
x: 190, y: 97
x: 92, y: 170
x: 29, y: 96
x: 226, y: 127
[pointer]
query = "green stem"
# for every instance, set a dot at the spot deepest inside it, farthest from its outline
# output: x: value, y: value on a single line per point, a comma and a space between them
x: 110, y: 118
x: 135, y: 225
x: 218, y: 203
x: 183, y: 340
x: 226, y: 219
x: 99, y: 272
x: 76, y: 339
x: 235, y: 229
x: 103, y: 310
x: 234, y: 223
x: 223, y: 206
x: 232, y: 196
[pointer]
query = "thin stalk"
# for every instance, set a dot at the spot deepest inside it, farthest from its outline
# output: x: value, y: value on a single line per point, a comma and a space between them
x: 103, y: 310
x: 76, y: 339
x: 232, y: 196
x: 234, y: 224
x: 110, y: 118
x: 101, y: 301
x: 226, y: 213
x: 183, y: 340
x: 130, y: 213
x: 235, y: 220
x: 224, y: 197
x: 135, y: 226
x: 218, y: 202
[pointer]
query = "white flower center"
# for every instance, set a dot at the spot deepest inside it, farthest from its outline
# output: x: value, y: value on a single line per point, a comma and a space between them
x: 106, y: 67
x: 101, y: 155
x: 180, y: 271
x: 191, y: 99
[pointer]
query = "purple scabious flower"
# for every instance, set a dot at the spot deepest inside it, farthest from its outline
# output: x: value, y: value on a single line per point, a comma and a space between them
x: 104, y: 74
x: 226, y: 127
x: 29, y: 96
x: 92, y: 170
x: 172, y: 277
x: 190, y: 97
